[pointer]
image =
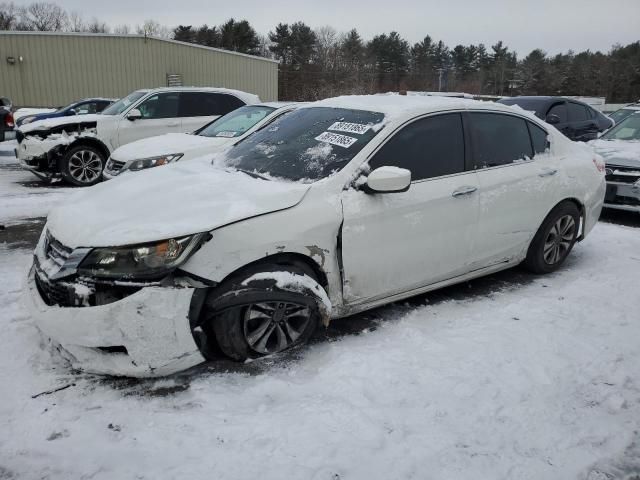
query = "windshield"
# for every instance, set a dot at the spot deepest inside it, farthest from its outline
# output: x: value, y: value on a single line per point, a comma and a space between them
x: 236, y: 123
x: 621, y: 114
x: 627, y: 129
x: 307, y: 144
x: 122, y: 104
x: 530, y: 105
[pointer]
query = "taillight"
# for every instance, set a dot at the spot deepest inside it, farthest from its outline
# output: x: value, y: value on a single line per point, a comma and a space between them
x: 8, y: 120
x: 600, y: 165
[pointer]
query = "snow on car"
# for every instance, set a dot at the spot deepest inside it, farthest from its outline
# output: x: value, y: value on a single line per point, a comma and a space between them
x: 338, y: 207
x: 217, y: 135
x: 76, y: 148
x: 620, y: 148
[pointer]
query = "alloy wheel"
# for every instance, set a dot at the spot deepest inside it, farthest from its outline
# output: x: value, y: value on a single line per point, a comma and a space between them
x: 559, y: 240
x: 271, y: 327
x: 85, y: 166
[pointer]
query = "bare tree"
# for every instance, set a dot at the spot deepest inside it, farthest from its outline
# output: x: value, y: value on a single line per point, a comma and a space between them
x: 97, y: 26
x: 8, y: 16
x: 123, y: 29
x: 43, y: 16
x: 326, y: 47
x: 76, y: 22
x: 151, y: 28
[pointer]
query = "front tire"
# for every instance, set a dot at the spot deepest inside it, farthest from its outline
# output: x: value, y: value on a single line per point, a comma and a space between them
x: 254, y: 318
x: 554, y: 239
x: 82, y: 165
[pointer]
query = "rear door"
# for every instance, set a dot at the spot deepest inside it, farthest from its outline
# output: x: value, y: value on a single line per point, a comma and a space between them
x: 159, y: 116
x: 584, y: 127
x: 560, y: 110
x: 199, y: 108
x: 516, y: 178
x: 398, y: 242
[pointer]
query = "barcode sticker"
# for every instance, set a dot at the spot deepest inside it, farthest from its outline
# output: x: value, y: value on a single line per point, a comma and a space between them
x: 336, y: 139
x: 358, y: 128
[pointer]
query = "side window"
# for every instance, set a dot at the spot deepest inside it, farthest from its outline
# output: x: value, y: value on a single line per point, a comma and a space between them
x: 101, y: 106
x: 560, y: 110
x: 538, y: 138
x: 577, y: 112
x: 499, y: 139
x: 84, y: 108
x: 204, y: 104
x: 430, y: 147
x: 161, y: 105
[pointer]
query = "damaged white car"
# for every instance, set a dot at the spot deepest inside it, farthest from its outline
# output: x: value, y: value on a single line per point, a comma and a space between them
x: 75, y: 149
x: 338, y: 207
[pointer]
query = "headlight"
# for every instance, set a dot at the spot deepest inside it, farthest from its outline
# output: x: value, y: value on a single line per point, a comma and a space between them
x: 149, y: 260
x: 152, y: 162
x: 27, y: 120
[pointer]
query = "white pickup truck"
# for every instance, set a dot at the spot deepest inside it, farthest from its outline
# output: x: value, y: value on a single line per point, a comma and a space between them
x: 76, y: 148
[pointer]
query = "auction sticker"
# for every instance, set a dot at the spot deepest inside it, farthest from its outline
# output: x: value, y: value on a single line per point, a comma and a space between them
x: 226, y: 134
x: 336, y: 139
x: 358, y: 128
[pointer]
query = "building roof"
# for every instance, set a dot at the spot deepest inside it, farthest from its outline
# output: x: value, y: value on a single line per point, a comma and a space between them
x: 144, y: 37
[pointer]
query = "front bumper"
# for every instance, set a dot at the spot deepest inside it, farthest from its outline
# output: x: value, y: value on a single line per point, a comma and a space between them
x: 143, y: 335
x: 623, y: 196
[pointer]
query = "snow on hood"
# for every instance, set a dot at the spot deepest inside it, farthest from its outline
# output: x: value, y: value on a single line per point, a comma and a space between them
x: 167, y: 144
x: 48, y: 123
x: 625, y: 153
x: 166, y: 202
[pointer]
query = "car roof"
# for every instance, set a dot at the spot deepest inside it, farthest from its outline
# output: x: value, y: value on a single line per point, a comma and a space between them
x: 246, y: 97
x: 277, y: 105
x: 401, y: 106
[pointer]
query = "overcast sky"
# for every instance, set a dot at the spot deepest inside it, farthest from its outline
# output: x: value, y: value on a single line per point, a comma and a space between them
x: 553, y: 25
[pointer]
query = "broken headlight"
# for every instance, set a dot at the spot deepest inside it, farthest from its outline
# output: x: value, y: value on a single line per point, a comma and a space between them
x: 144, y: 261
x: 151, y: 162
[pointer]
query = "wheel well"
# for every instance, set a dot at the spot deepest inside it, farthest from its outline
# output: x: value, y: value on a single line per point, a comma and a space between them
x: 92, y: 142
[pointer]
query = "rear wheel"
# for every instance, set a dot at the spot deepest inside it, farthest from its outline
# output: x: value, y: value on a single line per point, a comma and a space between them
x: 254, y: 318
x: 554, y: 239
x: 82, y: 165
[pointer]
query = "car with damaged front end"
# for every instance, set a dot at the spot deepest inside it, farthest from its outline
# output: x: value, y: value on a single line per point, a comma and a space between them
x: 337, y: 207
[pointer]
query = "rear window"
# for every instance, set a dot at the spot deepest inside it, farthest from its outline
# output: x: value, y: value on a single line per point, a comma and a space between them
x: 499, y: 139
x: 577, y: 112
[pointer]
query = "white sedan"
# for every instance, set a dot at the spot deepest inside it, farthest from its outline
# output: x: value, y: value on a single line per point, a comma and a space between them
x: 338, y: 207
x: 213, y: 137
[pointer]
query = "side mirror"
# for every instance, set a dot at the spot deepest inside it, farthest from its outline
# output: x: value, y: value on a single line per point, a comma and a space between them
x: 134, y: 114
x: 71, y: 112
x: 552, y: 119
x: 388, y: 180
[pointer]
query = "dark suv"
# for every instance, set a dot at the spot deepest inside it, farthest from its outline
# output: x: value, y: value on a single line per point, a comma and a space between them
x: 576, y: 120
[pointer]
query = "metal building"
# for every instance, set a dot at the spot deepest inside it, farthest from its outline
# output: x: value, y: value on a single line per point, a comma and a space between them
x: 48, y: 69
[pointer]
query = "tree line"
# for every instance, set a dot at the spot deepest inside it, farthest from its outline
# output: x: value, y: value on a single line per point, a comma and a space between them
x: 322, y: 62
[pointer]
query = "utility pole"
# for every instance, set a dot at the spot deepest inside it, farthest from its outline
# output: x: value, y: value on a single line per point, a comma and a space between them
x: 440, y: 72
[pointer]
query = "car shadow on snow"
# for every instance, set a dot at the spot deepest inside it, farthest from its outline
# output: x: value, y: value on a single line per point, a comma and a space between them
x: 620, y: 217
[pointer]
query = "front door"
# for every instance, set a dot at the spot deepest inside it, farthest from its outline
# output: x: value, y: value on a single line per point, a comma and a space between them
x: 159, y: 116
x: 398, y: 242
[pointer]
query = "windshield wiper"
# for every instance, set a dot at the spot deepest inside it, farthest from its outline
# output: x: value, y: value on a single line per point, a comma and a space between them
x: 252, y: 174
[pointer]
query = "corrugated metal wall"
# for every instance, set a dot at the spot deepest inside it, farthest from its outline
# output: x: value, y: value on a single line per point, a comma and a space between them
x: 59, y: 68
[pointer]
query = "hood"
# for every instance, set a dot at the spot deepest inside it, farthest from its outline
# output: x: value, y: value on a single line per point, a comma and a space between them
x: 624, y: 153
x: 167, y: 144
x: 49, y: 123
x: 166, y: 202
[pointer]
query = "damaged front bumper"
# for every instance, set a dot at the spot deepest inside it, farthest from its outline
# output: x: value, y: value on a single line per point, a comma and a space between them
x: 146, y: 333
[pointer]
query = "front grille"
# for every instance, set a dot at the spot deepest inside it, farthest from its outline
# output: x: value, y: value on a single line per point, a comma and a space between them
x: 622, y: 174
x: 54, y: 293
x: 56, y: 251
x: 114, y: 166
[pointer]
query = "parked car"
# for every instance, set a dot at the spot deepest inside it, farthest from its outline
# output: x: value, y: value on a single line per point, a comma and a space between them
x: 620, y: 148
x: 80, y: 107
x: 576, y: 120
x: 624, y: 112
x: 214, y: 137
x: 339, y: 206
x: 7, y: 123
x: 76, y: 148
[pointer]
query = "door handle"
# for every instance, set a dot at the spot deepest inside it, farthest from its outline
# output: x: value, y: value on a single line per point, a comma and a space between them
x: 466, y: 190
x: 547, y: 172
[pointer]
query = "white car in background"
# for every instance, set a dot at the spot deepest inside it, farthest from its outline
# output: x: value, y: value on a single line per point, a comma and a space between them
x: 620, y: 148
x: 340, y: 206
x: 214, y: 137
x: 76, y: 148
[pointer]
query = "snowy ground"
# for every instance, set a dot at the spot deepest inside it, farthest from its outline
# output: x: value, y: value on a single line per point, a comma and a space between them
x: 509, y: 377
